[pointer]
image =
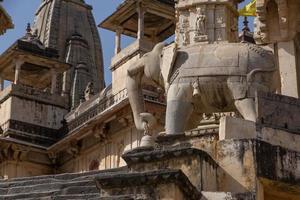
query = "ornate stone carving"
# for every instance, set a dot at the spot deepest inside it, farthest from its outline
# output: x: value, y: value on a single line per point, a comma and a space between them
x: 239, y: 67
x: 89, y: 91
x: 74, y: 148
x: 101, y: 131
x: 185, y: 30
x: 200, y: 32
x: 28, y: 132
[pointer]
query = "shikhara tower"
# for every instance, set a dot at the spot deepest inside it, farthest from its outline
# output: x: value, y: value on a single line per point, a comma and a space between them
x: 69, y: 27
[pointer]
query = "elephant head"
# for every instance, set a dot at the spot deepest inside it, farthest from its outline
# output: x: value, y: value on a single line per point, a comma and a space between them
x: 147, y: 67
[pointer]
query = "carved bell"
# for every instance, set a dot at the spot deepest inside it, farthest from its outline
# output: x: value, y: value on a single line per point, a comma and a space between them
x: 196, y: 91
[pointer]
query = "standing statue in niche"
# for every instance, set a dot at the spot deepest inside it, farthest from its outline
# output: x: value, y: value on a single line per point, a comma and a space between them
x: 201, y: 22
x: 185, y: 24
x: 200, y: 29
x: 89, y: 91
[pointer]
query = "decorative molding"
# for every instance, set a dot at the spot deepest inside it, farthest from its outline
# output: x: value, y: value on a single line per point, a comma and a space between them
x: 30, y: 132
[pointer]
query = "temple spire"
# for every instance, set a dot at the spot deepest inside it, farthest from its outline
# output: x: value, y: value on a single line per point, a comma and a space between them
x: 60, y: 24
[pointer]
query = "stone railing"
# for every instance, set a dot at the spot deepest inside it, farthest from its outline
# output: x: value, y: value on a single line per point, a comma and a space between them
x: 103, y: 106
x: 99, y: 108
x: 31, y: 133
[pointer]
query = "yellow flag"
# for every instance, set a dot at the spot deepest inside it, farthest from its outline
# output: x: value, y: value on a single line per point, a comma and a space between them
x: 249, y: 10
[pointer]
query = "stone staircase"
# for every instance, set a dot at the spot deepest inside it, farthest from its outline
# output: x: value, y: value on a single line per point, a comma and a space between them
x: 50, y: 187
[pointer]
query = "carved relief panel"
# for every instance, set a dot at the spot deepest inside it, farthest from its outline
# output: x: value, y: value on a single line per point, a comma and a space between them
x: 220, y: 23
x: 200, y: 24
x: 184, y: 28
x: 206, y: 22
x: 192, y: 25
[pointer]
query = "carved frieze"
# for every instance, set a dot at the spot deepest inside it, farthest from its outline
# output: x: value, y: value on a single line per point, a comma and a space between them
x: 201, y: 21
x: 185, y: 28
x: 206, y: 21
x: 11, y: 152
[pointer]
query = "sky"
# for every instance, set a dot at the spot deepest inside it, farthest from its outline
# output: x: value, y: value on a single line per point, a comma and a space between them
x: 22, y: 12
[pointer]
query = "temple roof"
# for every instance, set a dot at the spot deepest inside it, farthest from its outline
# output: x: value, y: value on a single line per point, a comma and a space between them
x: 37, y: 62
x: 5, y: 21
x: 159, y: 18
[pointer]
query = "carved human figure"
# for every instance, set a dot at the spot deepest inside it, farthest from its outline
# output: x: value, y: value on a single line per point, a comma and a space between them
x: 89, y: 91
x: 185, y: 30
x: 200, y: 22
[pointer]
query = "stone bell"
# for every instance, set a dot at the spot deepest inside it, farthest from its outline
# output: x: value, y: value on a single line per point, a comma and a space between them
x: 196, y: 91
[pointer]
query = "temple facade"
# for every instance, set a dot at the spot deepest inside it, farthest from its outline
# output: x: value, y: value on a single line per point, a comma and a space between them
x: 211, y: 115
x: 76, y: 124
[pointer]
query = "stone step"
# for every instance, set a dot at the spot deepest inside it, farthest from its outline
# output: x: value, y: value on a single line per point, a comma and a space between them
x: 62, y: 186
x: 82, y: 191
x: 32, y: 195
x: 4, y: 186
x: 119, y: 197
x: 69, y: 197
x: 49, y: 186
x: 65, y: 175
x: 226, y: 196
x: 82, y: 196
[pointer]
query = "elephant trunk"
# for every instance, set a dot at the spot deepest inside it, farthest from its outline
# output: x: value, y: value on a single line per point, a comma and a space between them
x: 149, y: 67
x: 136, y: 99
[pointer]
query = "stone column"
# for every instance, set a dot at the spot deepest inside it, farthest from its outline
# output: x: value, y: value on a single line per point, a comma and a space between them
x: 66, y: 83
x: 118, y: 41
x: 211, y: 22
x: 141, y: 15
x: 288, y: 68
x: 18, y: 63
x: 53, y: 81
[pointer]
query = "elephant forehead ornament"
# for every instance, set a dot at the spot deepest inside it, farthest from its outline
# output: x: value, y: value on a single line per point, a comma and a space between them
x: 202, y: 79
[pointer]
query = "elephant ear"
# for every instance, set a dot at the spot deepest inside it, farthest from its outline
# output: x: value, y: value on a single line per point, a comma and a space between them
x: 168, y: 59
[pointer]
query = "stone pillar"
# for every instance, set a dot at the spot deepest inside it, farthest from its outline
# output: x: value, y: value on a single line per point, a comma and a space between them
x: 66, y: 83
x: 141, y: 15
x: 211, y: 22
x: 118, y: 41
x: 18, y: 64
x: 288, y: 68
x: 53, y: 81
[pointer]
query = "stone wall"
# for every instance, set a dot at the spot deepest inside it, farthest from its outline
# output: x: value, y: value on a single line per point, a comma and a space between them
x: 119, y: 75
x: 106, y: 153
x: 13, y: 169
x: 37, y: 113
x: 104, y: 147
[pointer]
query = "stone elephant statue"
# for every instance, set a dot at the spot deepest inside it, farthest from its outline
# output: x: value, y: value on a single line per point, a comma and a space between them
x: 202, y: 79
